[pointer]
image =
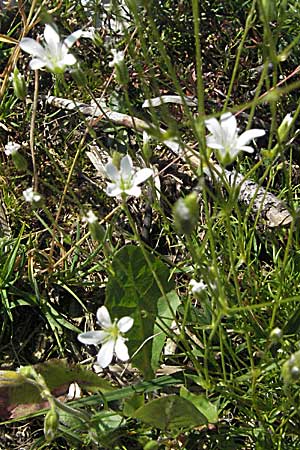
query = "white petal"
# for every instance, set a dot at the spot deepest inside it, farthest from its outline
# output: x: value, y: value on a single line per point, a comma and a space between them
x: 106, y: 353
x: 125, y: 323
x: 103, y: 317
x: 37, y: 63
x: 134, y: 190
x: 229, y: 126
x: 112, y: 172
x: 212, y: 142
x: 92, y: 337
x: 126, y: 167
x: 142, y: 175
x: 113, y: 190
x: 121, y: 349
x: 68, y: 60
x: 214, y: 127
x: 246, y: 148
x: 70, y: 40
x: 51, y: 37
x: 32, y: 47
x: 248, y: 135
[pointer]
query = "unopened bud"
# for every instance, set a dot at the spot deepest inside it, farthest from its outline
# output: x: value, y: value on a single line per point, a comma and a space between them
x: 276, y: 334
x: 151, y: 445
x: 283, y: 129
x: 269, y: 9
x: 121, y: 70
x: 186, y: 214
x: 291, y: 368
x: 147, y: 151
x: 96, y: 229
x: 50, y: 425
x: 19, y: 84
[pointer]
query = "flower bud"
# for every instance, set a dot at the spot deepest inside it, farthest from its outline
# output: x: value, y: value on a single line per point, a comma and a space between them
x: 269, y: 10
x: 96, y: 229
x: 151, y: 445
x: 291, y: 368
x: 19, y: 84
x: 121, y: 70
x: 283, y: 129
x: 186, y: 214
x: 147, y: 151
x: 276, y: 334
x: 50, y: 425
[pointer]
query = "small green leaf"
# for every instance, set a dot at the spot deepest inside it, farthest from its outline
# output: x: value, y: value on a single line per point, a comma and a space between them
x: 202, y: 404
x: 172, y: 413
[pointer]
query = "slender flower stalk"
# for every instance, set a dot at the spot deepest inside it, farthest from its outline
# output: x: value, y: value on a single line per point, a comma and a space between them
x: 110, y: 337
x: 54, y: 55
x: 225, y: 140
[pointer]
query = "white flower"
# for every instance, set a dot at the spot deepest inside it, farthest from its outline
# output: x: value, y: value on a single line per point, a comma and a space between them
x: 110, y: 337
x: 224, y: 138
x: 118, y: 58
x: 11, y: 148
x: 31, y: 196
x: 127, y: 179
x: 90, y: 217
x: 197, y: 286
x: 89, y: 33
x: 54, y: 55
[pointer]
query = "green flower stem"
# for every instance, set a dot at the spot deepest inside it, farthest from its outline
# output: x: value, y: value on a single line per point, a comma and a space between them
x: 200, y: 86
x: 248, y: 25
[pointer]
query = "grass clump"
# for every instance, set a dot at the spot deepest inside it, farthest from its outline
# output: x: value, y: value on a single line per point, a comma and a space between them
x: 149, y: 205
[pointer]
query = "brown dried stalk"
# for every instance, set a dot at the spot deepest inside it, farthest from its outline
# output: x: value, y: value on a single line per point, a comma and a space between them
x: 271, y: 211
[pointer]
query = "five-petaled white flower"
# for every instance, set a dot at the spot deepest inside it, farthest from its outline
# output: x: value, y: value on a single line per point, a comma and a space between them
x: 225, y: 140
x: 127, y: 179
x: 90, y: 217
x: 31, y: 196
x: 54, y: 55
x: 118, y: 58
x: 197, y: 286
x: 111, y: 337
x: 11, y: 148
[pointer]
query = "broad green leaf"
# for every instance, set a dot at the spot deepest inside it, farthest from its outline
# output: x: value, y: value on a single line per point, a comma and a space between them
x: 132, y: 404
x: 170, y: 413
x: 202, y: 404
x: 133, y: 290
x: 166, y: 310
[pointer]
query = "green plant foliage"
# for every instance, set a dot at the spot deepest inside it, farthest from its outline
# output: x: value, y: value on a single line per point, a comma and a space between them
x: 171, y: 413
x: 207, y: 408
x: 133, y: 290
x: 16, y: 390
